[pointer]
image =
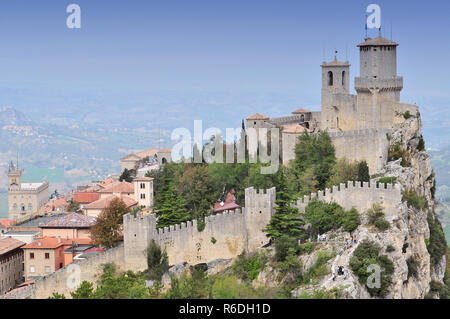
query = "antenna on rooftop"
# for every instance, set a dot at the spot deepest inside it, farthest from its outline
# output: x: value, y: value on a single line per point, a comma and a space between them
x: 391, y: 32
x: 17, y: 161
x: 366, y: 25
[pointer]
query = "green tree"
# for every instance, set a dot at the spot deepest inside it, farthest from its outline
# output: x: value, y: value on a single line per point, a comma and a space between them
x: 323, y: 216
x: 85, y: 291
x: 343, y: 171
x: 127, y: 175
x: 172, y: 209
x: 350, y: 220
x: 157, y: 261
x: 315, y: 152
x: 286, y: 219
x: 109, y: 222
x: 363, y: 172
x: 74, y: 206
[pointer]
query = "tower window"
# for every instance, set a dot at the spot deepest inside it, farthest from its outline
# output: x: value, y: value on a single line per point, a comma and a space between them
x: 330, y: 78
x: 343, y: 77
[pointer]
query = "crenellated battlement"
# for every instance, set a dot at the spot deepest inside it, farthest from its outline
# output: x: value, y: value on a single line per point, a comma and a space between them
x: 360, y: 195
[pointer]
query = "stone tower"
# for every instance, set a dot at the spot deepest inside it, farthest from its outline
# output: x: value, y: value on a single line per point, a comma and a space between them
x: 335, y: 81
x: 378, y: 87
x: 143, y: 191
x: 14, y: 174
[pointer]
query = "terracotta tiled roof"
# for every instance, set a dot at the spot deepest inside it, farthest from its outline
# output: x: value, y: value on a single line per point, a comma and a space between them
x: 379, y: 41
x: 7, y: 222
x: 106, y: 182
x: 104, y: 202
x: 300, y: 110
x: 294, y: 129
x: 147, y: 153
x: 8, y: 244
x: 143, y: 179
x: 45, y: 243
x: 119, y: 187
x: 86, y: 197
x: 72, y: 220
x: 258, y: 116
x: 165, y: 150
x: 59, y: 203
x: 55, y: 242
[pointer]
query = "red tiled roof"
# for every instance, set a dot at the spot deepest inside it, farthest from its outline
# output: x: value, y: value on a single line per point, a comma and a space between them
x: 119, y: 187
x: 54, y: 204
x: 8, y: 244
x: 7, y: 222
x: 143, y: 179
x: 147, y: 153
x: 106, y: 182
x: 300, y: 110
x: 165, y: 150
x: 86, y: 197
x: 104, y: 202
x: 294, y: 129
x: 73, y: 220
x: 45, y: 243
x: 258, y: 116
x: 379, y: 41
x: 55, y: 242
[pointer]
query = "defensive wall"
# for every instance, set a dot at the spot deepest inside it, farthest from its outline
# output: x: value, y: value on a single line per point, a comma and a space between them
x: 361, y: 195
x: 225, y: 235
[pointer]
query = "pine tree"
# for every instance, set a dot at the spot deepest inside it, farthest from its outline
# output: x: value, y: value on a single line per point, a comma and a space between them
x: 172, y: 209
x: 363, y: 172
x: 285, y: 221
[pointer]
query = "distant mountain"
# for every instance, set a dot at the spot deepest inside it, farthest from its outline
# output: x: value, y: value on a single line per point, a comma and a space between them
x: 13, y: 117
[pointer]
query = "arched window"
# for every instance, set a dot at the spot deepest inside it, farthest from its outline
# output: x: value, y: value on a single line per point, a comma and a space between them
x: 22, y: 207
x: 330, y: 78
x: 343, y: 78
x: 302, y: 118
x: 164, y: 161
x: 30, y: 207
x: 15, y: 207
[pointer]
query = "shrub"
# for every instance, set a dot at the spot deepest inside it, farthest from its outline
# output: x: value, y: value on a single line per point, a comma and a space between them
x: 248, y: 266
x: 437, y: 246
x: 407, y: 115
x: 350, y: 220
x: 323, y: 216
x: 396, y: 151
x: 414, y: 200
x: 382, y: 224
x: 306, y: 248
x: 387, y: 180
x: 390, y: 249
x: 157, y: 261
x: 213, y: 240
x: 366, y: 254
x: 376, y: 217
x: 283, y: 246
x: 321, y: 293
x: 413, y: 267
x: 319, y: 268
x: 421, y: 145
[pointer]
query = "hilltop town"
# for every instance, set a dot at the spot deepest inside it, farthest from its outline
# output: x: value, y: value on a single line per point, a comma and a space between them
x: 355, y: 181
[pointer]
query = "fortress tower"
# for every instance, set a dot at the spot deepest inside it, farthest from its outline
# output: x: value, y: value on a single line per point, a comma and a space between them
x: 378, y: 87
x: 335, y: 82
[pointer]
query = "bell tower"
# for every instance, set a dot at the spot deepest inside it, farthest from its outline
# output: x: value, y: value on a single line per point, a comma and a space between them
x: 14, y: 175
x: 335, y: 80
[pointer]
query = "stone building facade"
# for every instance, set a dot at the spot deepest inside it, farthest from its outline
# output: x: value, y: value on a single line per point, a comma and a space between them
x: 358, y: 124
x: 11, y: 264
x: 24, y: 199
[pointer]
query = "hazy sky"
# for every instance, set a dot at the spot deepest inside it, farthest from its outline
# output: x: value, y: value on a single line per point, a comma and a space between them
x: 249, y: 45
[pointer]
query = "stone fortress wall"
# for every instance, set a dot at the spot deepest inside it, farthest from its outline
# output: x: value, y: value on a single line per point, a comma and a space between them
x: 225, y: 235
x: 233, y: 233
x: 361, y: 195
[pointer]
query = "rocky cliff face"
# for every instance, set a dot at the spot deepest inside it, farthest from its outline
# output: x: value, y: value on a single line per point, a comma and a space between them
x: 407, y: 237
x: 409, y: 232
